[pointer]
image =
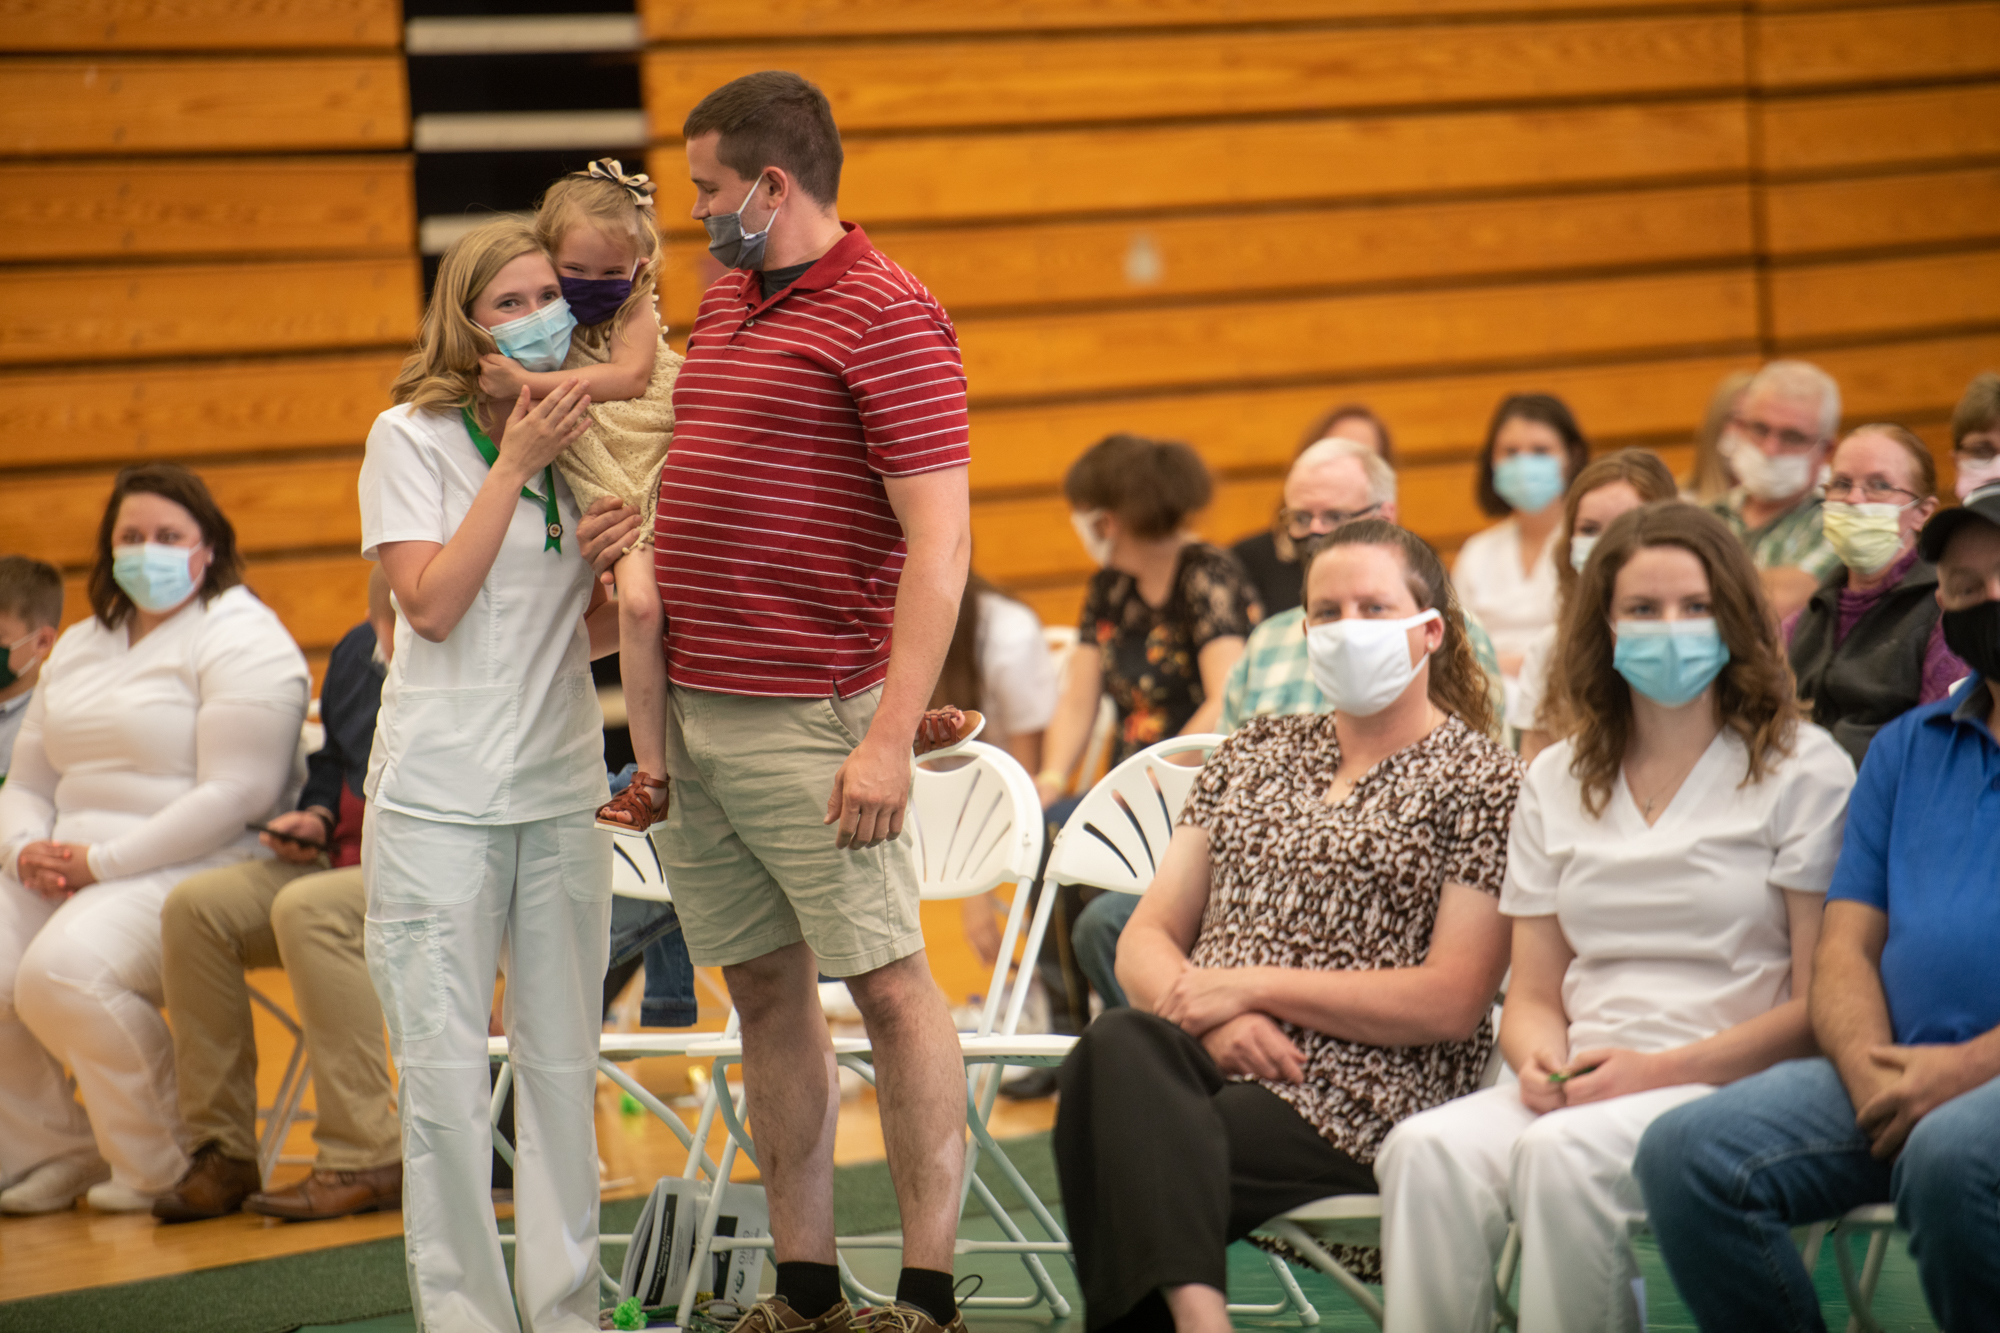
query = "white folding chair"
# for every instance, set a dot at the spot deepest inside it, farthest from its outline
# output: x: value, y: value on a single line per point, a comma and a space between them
x: 286, y: 1108
x: 975, y: 825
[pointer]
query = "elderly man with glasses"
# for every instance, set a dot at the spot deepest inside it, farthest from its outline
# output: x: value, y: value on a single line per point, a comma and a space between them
x: 1776, y: 442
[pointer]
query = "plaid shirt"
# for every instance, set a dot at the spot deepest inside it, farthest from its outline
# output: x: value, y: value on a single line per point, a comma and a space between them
x: 1274, y: 676
x: 1791, y: 540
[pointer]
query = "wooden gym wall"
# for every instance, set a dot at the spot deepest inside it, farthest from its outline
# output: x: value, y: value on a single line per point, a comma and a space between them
x: 1214, y: 219
x: 208, y: 255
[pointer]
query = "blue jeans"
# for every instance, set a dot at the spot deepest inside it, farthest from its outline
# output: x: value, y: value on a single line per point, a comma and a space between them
x: 1727, y: 1177
x: 640, y: 925
x: 1094, y: 937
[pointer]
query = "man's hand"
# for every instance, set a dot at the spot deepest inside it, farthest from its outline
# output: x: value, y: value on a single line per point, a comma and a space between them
x: 1923, y: 1078
x: 870, y: 793
x: 54, y: 870
x: 604, y: 532
x: 501, y: 376
x: 1254, y: 1046
x: 1607, y: 1072
x: 1202, y: 999
x: 300, y: 824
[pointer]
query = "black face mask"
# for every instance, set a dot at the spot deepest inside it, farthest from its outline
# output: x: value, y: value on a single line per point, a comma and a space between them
x: 1974, y: 635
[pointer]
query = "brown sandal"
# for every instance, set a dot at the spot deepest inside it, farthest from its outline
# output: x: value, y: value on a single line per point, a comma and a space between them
x: 946, y: 728
x: 632, y: 810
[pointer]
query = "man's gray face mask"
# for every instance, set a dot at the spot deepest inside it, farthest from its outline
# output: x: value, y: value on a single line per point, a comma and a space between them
x: 730, y: 244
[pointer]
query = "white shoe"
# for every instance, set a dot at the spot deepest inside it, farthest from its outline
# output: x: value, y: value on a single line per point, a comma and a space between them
x: 54, y: 1186
x: 112, y: 1197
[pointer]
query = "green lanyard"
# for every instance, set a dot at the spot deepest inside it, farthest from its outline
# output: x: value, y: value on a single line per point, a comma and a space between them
x: 491, y: 453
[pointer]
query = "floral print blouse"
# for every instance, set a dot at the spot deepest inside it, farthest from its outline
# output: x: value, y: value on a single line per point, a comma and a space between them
x: 1152, y: 667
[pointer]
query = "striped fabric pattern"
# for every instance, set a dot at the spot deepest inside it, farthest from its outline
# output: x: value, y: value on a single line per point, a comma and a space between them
x: 775, y: 547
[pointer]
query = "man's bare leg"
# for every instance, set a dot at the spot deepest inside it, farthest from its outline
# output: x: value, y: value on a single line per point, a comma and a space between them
x: 1198, y: 1308
x: 793, y: 1094
x: 920, y: 1081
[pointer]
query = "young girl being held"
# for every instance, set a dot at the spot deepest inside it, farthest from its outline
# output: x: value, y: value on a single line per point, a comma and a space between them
x: 599, y: 226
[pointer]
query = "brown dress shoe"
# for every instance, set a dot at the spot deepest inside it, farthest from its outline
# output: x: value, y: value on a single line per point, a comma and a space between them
x: 215, y: 1186
x: 332, y: 1194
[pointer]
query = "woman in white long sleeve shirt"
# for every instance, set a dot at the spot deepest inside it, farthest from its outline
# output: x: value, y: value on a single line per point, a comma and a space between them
x: 162, y: 725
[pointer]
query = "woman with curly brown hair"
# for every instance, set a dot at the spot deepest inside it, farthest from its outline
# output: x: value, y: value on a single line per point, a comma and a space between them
x: 1665, y: 874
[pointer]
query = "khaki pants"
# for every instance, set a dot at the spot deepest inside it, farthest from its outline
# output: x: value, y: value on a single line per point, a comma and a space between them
x: 308, y: 921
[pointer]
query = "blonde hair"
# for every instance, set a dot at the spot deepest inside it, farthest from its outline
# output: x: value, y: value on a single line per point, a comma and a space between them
x: 602, y: 196
x: 442, y: 370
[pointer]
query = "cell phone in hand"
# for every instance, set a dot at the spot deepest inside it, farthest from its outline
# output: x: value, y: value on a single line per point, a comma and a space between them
x: 313, y: 843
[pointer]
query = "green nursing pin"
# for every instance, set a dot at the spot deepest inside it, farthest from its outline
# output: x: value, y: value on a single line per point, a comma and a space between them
x: 491, y: 453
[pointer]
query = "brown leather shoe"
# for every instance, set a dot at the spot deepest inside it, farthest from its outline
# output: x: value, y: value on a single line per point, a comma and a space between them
x: 215, y: 1186
x: 326, y: 1194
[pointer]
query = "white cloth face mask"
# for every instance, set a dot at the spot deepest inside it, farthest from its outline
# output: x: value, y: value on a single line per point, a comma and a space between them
x: 1095, y: 544
x: 1766, y: 477
x: 1363, y: 666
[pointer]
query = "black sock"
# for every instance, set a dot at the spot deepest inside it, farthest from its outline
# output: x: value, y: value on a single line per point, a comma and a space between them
x: 811, y: 1289
x: 928, y: 1290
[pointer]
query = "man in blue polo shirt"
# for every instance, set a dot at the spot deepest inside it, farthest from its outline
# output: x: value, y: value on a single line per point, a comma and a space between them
x: 1905, y: 1000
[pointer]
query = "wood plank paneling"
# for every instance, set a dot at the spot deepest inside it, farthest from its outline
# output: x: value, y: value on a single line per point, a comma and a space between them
x: 287, y: 506
x: 1432, y: 417
x: 1874, y: 45
x: 1908, y: 381
x: 1128, y: 76
x: 128, y: 105
x: 1047, y: 354
x: 668, y: 20
x: 1882, y: 296
x: 1050, y: 172
x: 179, y: 411
x: 1807, y: 217
x: 242, y: 208
x: 1871, y: 129
x: 196, y: 25
x: 1020, y: 264
x: 85, y: 314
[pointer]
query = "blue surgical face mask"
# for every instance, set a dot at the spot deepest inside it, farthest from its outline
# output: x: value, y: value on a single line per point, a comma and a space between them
x: 539, y: 341
x: 1669, y: 661
x: 157, y: 578
x: 1529, y: 482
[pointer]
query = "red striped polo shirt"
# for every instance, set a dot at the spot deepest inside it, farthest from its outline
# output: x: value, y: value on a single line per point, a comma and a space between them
x: 775, y: 547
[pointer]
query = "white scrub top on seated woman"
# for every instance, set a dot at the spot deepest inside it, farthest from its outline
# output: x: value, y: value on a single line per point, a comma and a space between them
x: 1514, y: 604
x: 1679, y: 929
x: 499, y: 724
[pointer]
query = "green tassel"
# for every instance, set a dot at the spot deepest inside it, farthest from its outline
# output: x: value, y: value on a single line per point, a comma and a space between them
x: 628, y: 1315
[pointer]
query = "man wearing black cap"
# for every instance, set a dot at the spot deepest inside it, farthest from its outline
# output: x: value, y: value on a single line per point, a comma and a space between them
x: 1905, y: 1000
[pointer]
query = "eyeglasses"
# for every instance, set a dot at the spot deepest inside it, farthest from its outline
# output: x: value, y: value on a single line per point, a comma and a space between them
x: 1979, y: 447
x: 1870, y: 490
x: 1300, y: 524
x: 1791, y: 441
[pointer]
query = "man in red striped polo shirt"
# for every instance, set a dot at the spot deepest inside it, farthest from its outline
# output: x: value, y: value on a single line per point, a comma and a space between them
x: 811, y: 545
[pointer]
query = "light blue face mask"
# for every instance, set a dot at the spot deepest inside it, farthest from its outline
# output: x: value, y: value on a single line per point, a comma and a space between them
x: 539, y: 341
x: 1529, y: 482
x: 157, y: 578
x: 1669, y: 661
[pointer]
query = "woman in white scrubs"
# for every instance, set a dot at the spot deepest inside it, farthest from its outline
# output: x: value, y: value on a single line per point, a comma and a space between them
x: 487, y: 768
x: 1665, y: 873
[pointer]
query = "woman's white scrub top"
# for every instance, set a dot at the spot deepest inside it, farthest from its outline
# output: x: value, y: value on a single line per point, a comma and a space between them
x: 499, y: 724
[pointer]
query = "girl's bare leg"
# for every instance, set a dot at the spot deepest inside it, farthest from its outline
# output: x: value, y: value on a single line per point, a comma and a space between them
x: 642, y: 662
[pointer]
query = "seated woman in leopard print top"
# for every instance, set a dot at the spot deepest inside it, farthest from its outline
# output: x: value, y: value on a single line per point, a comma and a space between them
x: 1315, y: 960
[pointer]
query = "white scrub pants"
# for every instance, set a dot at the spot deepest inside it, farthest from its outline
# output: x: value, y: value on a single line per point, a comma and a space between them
x: 444, y: 901
x: 80, y: 986
x: 1453, y: 1177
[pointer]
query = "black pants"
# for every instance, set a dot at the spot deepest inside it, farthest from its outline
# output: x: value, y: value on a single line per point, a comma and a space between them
x: 1163, y: 1162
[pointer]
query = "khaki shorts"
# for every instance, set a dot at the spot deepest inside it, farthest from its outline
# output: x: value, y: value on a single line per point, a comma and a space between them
x: 750, y: 862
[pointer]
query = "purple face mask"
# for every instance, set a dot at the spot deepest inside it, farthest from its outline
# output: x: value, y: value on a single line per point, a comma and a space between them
x: 594, y: 300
